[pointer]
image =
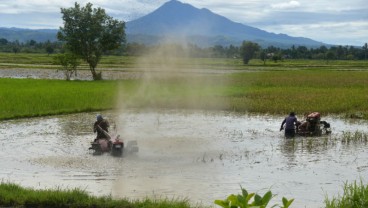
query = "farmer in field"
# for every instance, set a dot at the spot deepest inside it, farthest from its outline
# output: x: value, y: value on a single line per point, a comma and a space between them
x: 290, y: 122
x: 100, y: 126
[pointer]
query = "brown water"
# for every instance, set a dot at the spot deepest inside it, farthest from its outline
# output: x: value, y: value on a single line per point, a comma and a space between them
x: 200, y: 156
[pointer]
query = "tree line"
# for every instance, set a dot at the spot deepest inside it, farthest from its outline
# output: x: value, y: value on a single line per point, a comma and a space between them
x: 218, y: 51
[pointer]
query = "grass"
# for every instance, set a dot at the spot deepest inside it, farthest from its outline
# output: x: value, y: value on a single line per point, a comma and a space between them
x: 355, y: 196
x: 12, y: 195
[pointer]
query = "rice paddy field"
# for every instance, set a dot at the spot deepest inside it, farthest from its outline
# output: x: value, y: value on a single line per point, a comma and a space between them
x: 262, y: 92
x: 274, y: 92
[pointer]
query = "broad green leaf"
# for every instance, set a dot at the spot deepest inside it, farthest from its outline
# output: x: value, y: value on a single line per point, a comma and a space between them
x: 266, y: 198
x: 244, y: 192
x: 257, y: 200
x: 233, y: 199
x: 249, y: 196
x: 222, y: 203
x: 289, y: 203
x: 242, y: 200
x: 284, y: 201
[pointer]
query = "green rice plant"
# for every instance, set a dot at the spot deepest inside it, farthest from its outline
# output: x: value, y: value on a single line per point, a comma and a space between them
x: 28, y: 97
x: 355, y: 196
x: 250, y: 200
x: 356, y: 137
x: 12, y: 195
x: 302, y: 91
x: 272, y: 92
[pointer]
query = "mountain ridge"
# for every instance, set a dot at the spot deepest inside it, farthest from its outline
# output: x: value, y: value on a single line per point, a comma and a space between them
x: 175, y: 18
x: 179, y: 21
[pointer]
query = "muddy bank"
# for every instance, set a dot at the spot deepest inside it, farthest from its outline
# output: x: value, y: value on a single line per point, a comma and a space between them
x: 54, y: 74
x: 107, y: 74
x: 197, y: 155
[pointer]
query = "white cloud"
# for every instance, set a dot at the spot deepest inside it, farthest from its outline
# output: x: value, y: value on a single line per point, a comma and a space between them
x: 340, y: 33
x: 286, y: 5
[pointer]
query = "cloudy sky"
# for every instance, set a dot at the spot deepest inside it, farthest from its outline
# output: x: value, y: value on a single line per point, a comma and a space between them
x: 342, y: 22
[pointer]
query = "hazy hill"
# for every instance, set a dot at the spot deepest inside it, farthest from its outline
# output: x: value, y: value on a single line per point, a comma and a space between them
x: 24, y: 35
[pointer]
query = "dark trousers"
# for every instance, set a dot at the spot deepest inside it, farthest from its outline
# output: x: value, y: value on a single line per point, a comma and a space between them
x: 289, y: 133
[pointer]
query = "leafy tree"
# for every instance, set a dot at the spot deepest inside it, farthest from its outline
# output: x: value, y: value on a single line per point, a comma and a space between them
x: 302, y: 52
x: 16, y: 47
x: 340, y: 52
x: 330, y: 55
x: 3, y: 41
x: 276, y: 57
x: 49, y: 48
x: 218, y: 51
x: 232, y: 52
x: 32, y: 43
x: 263, y: 56
x: 89, y: 32
x: 247, y: 50
x: 69, y: 63
x: 365, y: 48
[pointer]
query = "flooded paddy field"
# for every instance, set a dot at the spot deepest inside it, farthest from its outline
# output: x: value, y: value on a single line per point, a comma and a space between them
x: 197, y: 155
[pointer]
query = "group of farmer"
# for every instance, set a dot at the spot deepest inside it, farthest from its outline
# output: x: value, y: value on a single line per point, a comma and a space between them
x: 290, y: 124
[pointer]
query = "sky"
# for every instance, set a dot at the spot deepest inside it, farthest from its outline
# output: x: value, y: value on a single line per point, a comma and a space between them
x: 340, y: 22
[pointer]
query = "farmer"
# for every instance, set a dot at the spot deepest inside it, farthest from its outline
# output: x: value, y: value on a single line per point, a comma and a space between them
x: 290, y: 123
x: 100, y: 126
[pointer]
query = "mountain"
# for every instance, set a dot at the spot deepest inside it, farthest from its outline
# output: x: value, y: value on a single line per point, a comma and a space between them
x: 176, y: 21
x: 201, y: 26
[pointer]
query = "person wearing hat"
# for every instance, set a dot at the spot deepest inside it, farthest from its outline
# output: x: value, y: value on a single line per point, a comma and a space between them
x: 290, y: 123
x: 101, y: 126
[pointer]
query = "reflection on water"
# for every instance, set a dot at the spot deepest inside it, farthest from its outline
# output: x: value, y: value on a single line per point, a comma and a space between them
x: 201, y: 156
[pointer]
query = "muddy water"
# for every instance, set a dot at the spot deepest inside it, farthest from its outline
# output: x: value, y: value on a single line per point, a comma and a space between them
x: 199, y: 156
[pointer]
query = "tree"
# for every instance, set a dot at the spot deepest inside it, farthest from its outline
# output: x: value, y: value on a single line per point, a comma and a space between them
x: 49, y: 48
x: 263, y: 56
x: 32, y: 43
x: 247, y: 50
x: 365, y: 48
x: 3, y: 41
x: 330, y: 55
x: 69, y: 63
x: 88, y: 32
x: 16, y: 47
x: 276, y: 57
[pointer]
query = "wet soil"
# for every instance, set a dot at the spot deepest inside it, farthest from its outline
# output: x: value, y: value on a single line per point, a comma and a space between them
x: 107, y: 74
x: 54, y: 74
x: 195, y: 155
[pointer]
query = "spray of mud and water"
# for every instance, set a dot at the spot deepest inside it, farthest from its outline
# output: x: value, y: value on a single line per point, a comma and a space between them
x: 174, y: 80
x: 171, y: 79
